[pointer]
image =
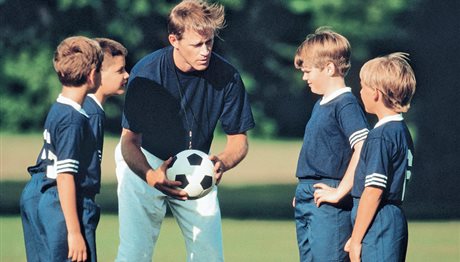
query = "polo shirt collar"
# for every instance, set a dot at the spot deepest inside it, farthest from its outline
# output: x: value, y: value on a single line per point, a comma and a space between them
x: 387, y: 119
x: 335, y: 94
x: 67, y: 101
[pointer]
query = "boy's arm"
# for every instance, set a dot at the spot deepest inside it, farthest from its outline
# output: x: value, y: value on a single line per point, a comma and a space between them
x: 368, y: 204
x: 67, y: 197
x: 132, y: 154
x: 327, y: 194
x: 235, y: 150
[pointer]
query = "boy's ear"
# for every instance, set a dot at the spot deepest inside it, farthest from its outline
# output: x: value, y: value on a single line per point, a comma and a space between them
x: 330, y: 69
x: 94, y: 78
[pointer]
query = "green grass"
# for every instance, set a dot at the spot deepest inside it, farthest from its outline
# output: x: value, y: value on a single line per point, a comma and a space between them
x: 244, y: 240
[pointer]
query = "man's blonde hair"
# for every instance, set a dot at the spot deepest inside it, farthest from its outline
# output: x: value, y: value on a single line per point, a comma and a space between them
x: 74, y: 59
x: 323, y: 47
x: 393, y: 76
x: 196, y: 15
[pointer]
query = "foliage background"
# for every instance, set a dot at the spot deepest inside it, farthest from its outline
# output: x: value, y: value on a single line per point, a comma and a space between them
x: 260, y: 39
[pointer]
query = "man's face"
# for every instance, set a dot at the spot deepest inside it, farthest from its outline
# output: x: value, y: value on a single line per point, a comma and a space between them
x: 193, y: 51
x: 113, y: 75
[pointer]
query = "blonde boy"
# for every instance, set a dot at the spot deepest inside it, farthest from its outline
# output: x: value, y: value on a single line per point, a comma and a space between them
x: 380, y: 227
x: 332, y: 142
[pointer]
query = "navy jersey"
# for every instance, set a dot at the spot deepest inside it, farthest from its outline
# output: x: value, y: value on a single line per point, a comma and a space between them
x: 69, y: 147
x: 337, y: 123
x: 96, y: 115
x: 386, y: 159
x: 165, y: 104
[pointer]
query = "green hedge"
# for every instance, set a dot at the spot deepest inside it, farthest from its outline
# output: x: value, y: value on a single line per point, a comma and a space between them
x: 265, y: 202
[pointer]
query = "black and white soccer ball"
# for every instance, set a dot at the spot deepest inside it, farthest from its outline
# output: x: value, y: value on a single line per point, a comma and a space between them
x: 195, y: 170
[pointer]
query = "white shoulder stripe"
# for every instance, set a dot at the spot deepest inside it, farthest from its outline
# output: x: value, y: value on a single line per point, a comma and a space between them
x: 376, y: 180
x: 357, y: 136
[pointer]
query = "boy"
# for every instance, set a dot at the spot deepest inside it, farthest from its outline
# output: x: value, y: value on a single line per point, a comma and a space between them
x: 174, y: 100
x: 380, y: 227
x: 66, y: 166
x: 113, y: 80
x: 331, y: 145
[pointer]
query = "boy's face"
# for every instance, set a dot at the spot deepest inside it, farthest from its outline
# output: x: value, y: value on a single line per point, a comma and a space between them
x: 113, y: 75
x: 367, y: 95
x: 193, y: 51
x: 315, y: 78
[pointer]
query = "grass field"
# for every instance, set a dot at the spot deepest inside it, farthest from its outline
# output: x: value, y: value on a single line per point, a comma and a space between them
x: 258, y: 190
x: 245, y: 240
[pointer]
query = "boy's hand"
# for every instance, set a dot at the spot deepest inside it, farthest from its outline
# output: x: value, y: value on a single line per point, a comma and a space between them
x: 157, y: 178
x: 77, y: 247
x: 354, y: 249
x: 326, y: 194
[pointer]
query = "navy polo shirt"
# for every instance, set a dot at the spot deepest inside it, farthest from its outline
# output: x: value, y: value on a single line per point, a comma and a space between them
x: 336, y: 124
x: 386, y: 159
x: 165, y: 104
x: 94, y: 110
x: 69, y: 147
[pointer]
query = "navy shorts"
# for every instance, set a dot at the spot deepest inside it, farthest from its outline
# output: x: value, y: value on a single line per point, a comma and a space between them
x: 386, y: 238
x: 55, y: 231
x: 321, y: 232
x: 33, y: 233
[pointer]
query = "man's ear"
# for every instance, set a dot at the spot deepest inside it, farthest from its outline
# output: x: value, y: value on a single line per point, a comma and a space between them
x: 173, y: 40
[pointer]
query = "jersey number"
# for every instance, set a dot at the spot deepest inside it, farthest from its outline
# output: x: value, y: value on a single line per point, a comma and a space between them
x: 410, y: 158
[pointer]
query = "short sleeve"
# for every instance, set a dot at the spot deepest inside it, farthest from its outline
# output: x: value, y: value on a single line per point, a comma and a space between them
x: 236, y: 116
x: 67, y: 148
x: 377, y: 163
x: 353, y: 123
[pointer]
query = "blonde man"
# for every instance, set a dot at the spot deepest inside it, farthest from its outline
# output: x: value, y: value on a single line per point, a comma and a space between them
x: 60, y: 222
x: 330, y: 151
x: 380, y: 226
x: 175, y: 97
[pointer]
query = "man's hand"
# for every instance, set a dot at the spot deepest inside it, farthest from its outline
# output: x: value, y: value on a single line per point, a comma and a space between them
x: 157, y: 178
x: 219, y: 168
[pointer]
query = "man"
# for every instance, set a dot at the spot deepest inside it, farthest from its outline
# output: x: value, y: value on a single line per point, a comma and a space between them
x: 175, y: 98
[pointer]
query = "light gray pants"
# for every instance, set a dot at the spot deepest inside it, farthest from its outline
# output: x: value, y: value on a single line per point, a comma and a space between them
x: 141, y: 210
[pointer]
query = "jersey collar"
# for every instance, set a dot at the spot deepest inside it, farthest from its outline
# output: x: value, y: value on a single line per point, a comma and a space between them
x: 387, y: 119
x: 67, y: 101
x: 93, y: 96
x: 335, y: 94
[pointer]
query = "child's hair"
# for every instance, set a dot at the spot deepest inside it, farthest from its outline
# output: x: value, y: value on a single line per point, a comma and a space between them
x: 323, y: 47
x: 112, y: 47
x: 197, y: 15
x: 74, y: 59
x: 393, y: 77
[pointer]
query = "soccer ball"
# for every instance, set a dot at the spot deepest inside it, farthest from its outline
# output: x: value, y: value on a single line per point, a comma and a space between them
x: 195, y: 170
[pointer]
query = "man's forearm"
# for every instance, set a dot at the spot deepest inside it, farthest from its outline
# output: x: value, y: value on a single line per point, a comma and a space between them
x: 236, y: 150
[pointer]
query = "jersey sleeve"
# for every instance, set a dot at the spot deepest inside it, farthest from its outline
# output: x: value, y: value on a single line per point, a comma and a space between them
x: 377, y: 164
x: 353, y: 123
x: 236, y: 116
x: 67, y: 149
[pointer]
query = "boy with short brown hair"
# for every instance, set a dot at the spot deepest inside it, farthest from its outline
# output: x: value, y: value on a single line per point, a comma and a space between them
x: 66, y: 216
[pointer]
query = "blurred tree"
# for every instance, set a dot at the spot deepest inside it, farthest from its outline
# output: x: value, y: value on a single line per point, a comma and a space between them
x: 261, y: 39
